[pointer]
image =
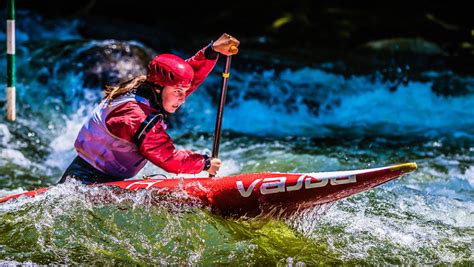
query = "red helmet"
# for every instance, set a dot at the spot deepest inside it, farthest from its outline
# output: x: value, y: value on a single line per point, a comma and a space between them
x: 170, y: 70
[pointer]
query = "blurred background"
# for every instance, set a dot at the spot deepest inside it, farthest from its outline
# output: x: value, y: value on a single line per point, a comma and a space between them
x: 304, y: 31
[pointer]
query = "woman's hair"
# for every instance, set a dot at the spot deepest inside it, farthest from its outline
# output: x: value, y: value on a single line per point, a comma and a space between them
x: 113, y: 91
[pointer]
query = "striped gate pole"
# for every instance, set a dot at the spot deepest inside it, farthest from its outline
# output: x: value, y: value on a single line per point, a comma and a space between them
x: 11, y: 94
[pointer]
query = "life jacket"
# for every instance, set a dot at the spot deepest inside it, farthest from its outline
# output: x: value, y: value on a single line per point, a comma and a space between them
x: 104, y: 151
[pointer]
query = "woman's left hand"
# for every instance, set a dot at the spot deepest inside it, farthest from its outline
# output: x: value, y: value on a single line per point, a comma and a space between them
x: 226, y: 45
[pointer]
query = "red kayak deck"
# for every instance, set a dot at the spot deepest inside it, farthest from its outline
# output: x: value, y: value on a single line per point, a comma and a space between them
x: 255, y: 193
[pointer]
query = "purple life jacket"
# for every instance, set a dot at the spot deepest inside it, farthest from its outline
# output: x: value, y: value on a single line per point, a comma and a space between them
x: 104, y: 151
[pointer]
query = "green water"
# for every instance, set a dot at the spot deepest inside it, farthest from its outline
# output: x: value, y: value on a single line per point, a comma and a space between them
x: 423, y: 218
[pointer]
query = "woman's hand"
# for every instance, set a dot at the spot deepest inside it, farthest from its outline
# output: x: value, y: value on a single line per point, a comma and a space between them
x: 215, y: 165
x: 226, y: 45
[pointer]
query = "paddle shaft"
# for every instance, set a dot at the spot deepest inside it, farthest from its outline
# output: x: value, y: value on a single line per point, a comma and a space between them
x: 220, y: 111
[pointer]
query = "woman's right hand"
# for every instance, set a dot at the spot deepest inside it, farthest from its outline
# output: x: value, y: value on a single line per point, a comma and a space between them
x: 215, y: 165
x: 226, y: 45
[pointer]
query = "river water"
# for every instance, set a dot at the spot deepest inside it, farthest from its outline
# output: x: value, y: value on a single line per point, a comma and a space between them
x: 277, y: 119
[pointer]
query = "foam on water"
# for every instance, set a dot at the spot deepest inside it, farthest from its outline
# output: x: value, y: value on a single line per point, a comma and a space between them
x: 13, y: 156
x: 356, y: 104
x: 8, y: 154
x: 395, y: 222
x: 62, y: 146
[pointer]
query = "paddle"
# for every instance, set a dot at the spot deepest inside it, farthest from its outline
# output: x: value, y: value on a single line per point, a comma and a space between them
x: 220, y: 110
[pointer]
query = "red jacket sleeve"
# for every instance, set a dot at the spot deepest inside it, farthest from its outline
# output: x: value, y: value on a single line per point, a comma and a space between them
x: 157, y: 147
x: 202, y: 66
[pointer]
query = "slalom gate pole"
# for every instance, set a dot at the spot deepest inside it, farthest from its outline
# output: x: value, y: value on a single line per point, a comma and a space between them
x: 11, y: 91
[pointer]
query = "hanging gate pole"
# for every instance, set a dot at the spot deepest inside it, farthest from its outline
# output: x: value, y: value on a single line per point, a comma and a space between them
x: 11, y: 94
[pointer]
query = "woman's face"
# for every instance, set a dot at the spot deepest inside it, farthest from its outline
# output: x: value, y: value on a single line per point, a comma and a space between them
x: 173, y: 97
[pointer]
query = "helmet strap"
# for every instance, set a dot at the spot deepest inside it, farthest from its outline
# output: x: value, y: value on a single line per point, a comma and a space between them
x: 153, y: 92
x: 158, y: 103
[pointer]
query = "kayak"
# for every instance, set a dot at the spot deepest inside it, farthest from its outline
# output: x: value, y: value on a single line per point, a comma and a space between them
x: 252, y: 194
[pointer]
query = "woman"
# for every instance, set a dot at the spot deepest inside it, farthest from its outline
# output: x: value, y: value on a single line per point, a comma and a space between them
x: 128, y: 128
